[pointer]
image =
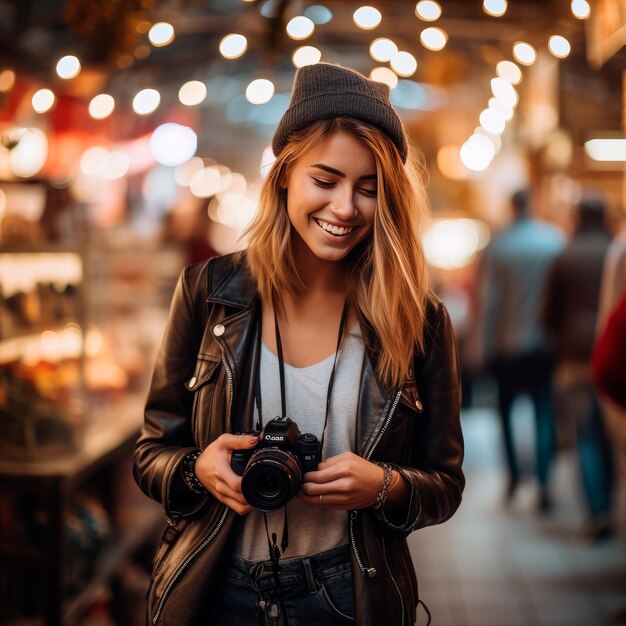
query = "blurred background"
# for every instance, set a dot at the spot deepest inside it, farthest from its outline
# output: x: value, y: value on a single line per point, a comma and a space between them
x: 134, y: 137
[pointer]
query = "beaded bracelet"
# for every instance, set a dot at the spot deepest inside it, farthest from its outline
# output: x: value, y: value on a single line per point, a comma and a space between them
x: 189, y: 473
x: 381, y: 498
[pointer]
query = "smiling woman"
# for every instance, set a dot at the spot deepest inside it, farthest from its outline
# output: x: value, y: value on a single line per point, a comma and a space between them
x: 327, y: 318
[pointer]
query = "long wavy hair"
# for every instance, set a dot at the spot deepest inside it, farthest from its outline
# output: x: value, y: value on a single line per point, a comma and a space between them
x: 388, y: 284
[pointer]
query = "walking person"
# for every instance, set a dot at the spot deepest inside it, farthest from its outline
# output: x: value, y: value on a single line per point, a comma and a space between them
x: 321, y: 342
x: 570, y: 317
x: 514, y: 346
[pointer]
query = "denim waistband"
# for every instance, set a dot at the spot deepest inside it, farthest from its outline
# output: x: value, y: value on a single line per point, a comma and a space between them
x: 307, y: 570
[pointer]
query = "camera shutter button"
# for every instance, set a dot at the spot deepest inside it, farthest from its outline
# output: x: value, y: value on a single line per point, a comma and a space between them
x: 218, y: 330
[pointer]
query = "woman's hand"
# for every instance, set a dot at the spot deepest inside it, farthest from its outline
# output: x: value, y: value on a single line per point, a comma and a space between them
x: 345, y: 482
x: 214, y: 472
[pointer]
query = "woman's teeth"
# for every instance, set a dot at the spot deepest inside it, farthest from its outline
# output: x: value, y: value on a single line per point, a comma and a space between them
x: 335, y: 230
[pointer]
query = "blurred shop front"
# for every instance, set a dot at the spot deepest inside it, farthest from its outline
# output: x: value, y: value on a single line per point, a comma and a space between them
x: 134, y: 140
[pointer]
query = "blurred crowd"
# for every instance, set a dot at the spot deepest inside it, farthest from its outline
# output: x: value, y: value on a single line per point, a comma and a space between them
x: 548, y: 320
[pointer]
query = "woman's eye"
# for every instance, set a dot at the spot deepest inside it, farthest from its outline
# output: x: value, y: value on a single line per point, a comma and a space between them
x: 370, y: 193
x: 323, y: 183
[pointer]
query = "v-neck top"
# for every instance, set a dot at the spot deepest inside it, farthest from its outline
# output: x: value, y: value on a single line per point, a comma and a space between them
x: 311, y: 529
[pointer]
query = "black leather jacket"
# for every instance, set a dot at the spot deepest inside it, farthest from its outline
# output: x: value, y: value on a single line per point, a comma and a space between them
x: 203, y: 386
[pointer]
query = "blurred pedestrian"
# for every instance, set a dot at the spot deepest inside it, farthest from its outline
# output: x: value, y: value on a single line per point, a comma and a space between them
x: 514, y: 347
x: 570, y: 316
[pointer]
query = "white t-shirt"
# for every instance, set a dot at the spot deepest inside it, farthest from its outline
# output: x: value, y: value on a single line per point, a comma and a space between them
x: 311, y: 529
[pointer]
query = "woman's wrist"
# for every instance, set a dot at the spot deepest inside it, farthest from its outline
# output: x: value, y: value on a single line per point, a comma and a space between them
x: 188, y: 470
x: 383, y: 492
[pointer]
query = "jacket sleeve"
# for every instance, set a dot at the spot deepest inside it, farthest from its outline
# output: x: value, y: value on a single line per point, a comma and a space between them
x: 435, y: 473
x: 609, y: 356
x: 166, y: 437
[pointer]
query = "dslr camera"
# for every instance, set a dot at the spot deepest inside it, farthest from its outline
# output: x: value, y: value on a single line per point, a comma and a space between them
x: 272, y: 471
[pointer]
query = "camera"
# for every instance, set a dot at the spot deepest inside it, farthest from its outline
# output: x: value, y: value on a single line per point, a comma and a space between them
x: 272, y: 471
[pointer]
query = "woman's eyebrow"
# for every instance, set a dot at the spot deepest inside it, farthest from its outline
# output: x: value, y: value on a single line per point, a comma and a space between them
x: 332, y: 170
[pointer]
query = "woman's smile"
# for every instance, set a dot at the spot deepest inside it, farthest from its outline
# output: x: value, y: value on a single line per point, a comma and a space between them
x: 332, y: 197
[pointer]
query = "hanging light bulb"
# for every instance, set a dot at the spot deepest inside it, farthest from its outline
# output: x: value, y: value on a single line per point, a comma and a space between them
x: 367, y: 17
x: 497, y: 8
x: 384, y: 75
x: 260, y: 91
x: 509, y: 71
x: 524, y: 53
x: 300, y: 27
x: 68, y: 67
x: 559, y: 46
x: 101, y: 106
x: 434, y: 38
x: 233, y: 46
x: 581, y: 9
x: 161, y: 34
x: 383, y: 49
x: 306, y: 55
x: 42, y: 100
x: 428, y: 10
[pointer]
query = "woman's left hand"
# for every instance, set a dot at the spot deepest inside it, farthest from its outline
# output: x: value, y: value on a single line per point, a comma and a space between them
x: 345, y: 482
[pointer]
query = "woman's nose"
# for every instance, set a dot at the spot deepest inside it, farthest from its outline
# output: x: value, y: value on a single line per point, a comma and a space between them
x: 343, y: 206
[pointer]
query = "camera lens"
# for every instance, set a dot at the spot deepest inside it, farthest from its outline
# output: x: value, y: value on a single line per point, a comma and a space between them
x: 271, y: 479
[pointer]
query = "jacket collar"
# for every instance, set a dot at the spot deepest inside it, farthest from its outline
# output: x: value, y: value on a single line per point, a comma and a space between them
x: 233, y: 283
x: 235, y: 287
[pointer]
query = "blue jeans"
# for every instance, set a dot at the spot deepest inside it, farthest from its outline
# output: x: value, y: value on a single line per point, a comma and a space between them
x: 313, y: 590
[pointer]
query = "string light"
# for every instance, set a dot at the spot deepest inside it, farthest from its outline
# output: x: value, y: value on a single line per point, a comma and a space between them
x: 492, y: 121
x: 68, y: 67
x: 504, y: 91
x: 300, y: 27
x: 477, y: 153
x: 559, y: 46
x: 383, y: 49
x: 581, y: 9
x: 101, y: 106
x: 233, y: 46
x: 497, y: 8
x: 428, y: 10
x: 384, y: 75
x: 260, y: 91
x: 193, y: 92
x: 524, y: 53
x: 146, y: 101
x: 404, y: 64
x: 161, y: 34
x: 367, y: 17
x: 434, y: 38
x: 43, y: 100
x: 509, y: 71
x: 306, y: 55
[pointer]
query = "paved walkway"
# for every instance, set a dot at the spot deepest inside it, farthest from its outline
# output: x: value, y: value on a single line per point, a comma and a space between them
x: 499, y: 565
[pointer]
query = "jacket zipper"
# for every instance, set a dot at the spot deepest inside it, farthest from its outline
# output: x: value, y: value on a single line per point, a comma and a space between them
x: 395, y: 584
x: 188, y: 560
x: 371, y: 571
x: 220, y: 522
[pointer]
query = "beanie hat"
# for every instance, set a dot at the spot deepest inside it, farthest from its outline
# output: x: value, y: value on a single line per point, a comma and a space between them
x: 324, y: 91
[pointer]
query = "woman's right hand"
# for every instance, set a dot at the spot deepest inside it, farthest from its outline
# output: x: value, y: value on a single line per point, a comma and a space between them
x: 214, y: 472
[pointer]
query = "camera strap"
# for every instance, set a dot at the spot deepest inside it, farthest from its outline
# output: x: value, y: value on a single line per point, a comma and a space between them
x: 273, y: 548
x: 331, y: 381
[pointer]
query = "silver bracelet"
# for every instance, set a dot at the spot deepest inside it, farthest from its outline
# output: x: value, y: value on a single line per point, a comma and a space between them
x: 381, y: 498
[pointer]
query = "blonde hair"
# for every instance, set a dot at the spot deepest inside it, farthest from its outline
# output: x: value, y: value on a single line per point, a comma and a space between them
x: 388, y: 285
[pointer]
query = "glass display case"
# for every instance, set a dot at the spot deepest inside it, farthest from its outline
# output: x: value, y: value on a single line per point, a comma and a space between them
x: 41, y: 353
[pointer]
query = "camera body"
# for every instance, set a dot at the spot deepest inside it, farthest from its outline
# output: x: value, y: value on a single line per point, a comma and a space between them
x: 271, y: 472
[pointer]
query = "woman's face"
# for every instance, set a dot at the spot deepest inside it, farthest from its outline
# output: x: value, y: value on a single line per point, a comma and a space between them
x: 331, y: 196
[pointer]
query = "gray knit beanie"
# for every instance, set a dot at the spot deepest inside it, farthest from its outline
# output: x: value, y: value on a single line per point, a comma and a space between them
x: 324, y: 91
